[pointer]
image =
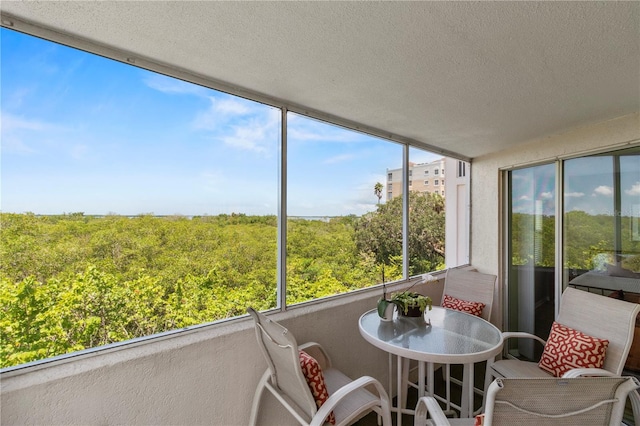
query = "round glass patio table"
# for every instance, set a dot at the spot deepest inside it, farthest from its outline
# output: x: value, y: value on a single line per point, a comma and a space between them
x: 445, y: 337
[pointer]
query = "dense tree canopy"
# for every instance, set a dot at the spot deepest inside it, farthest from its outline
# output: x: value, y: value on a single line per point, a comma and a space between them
x: 586, y: 238
x: 379, y: 233
x: 71, y: 282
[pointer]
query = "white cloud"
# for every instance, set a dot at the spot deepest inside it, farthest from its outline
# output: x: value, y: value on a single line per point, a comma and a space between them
x: 546, y: 195
x: 603, y: 190
x: 517, y: 176
x: 10, y: 122
x: 79, y: 151
x: 208, y: 119
x: 234, y: 121
x: 338, y: 158
x: 14, y: 127
x: 220, y: 113
x: 231, y: 106
x: 14, y: 144
x: 247, y: 138
x: 170, y: 85
x: 524, y: 198
x: 574, y: 194
x: 298, y: 134
x: 305, y: 129
x: 257, y: 134
x: 240, y: 124
x: 634, y: 190
x: 16, y: 98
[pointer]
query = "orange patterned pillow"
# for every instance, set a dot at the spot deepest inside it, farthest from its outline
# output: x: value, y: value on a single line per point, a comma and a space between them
x: 567, y: 349
x: 313, y: 373
x: 473, y: 308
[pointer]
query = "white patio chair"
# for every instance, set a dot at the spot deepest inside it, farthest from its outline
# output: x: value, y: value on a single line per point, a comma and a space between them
x: 598, y: 316
x: 549, y: 401
x: 595, y: 315
x: 471, y: 286
x: 349, y: 400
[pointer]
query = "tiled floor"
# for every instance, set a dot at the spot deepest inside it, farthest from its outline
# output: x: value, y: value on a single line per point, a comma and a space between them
x: 371, y: 420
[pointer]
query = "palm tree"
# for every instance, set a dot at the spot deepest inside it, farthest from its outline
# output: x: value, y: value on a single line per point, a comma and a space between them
x: 377, y: 189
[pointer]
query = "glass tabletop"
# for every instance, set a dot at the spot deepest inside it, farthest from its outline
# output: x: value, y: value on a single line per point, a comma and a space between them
x: 453, y: 337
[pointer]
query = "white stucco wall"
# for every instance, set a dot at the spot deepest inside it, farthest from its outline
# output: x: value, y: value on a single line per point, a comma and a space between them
x: 486, y: 183
x: 457, y: 215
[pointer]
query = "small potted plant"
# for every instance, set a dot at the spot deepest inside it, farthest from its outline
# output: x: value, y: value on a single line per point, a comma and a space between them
x: 408, y: 303
x: 411, y: 304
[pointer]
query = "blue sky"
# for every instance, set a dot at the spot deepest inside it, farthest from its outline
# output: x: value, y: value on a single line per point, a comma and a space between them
x: 588, y: 186
x: 81, y: 133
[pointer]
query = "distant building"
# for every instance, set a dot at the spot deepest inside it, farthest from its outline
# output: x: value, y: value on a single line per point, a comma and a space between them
x: 424, y: 177
x: 430, y: 177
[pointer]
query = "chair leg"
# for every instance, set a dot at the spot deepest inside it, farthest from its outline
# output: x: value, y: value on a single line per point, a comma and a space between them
x: 255, y: 406
x: 447, y: 384
x: 405, y: 382
x: 488, y: 378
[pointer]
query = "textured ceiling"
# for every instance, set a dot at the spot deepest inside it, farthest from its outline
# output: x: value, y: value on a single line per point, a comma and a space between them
x: 468, y: 77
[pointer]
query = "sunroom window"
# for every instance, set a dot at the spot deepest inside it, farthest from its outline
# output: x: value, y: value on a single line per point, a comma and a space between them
x: 134, y: 203
x: 333, y: 228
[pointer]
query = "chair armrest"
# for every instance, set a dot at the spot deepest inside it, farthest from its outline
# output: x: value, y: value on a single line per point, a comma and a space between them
x: 634, y: 397
x: 317, y: 351
x: 521, y: 334
x: 355, y: 386
x: 586, y: 372
x: 428, y: 405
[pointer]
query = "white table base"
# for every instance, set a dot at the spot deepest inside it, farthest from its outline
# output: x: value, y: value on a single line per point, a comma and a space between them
x: 428, y: 388
x: 449, y: 337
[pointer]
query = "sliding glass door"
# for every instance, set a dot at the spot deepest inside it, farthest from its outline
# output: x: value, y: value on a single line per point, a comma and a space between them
x: 530, y: 292
x: 601, y: 223
x: 597, y: 238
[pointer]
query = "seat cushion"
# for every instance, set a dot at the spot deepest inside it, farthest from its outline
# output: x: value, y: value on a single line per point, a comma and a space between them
x: 567, y: 349
x: 473, y: 308
x: 517, y: 368
x: 315, y: 379
x: 357, y: 405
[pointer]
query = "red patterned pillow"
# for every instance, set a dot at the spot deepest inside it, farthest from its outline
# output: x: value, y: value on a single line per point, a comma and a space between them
x: 567, y: 349
x: 473, y: 308
x: 313, y: 373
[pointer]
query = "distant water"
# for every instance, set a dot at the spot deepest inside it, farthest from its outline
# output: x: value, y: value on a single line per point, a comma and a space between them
x: 320, y: 218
